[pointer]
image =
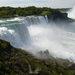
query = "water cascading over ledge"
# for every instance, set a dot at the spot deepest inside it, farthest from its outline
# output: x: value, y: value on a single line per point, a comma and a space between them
x: 35, y: 33
x: 15, y: 30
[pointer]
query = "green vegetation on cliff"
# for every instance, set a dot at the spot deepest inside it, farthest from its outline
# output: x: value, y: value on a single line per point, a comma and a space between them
x: 26, y: 11
x: 14, y: 61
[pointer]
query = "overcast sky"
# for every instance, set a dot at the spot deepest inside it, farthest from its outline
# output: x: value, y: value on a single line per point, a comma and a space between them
x: 38, y: 3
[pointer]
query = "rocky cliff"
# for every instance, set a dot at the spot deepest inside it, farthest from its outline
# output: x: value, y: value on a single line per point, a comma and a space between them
x: 58, y: 17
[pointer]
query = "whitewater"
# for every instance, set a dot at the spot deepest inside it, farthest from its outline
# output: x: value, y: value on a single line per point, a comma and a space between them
x: 36, y: 33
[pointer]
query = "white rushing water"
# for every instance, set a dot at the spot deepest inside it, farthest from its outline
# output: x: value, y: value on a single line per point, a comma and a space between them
x: 35, y: 34
x: 71, y: 13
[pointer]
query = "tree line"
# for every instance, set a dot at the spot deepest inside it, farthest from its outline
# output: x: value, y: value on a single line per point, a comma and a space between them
x: 26, y: 11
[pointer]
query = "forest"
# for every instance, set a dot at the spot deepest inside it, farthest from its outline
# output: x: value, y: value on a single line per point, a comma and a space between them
x: 6, y: 12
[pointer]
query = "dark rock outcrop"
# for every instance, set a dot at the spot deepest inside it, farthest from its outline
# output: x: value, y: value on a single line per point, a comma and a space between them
x: 58, y: 17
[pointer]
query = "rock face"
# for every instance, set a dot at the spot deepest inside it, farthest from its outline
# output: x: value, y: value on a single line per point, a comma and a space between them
x: 71, y: 66
x: 58, y: 17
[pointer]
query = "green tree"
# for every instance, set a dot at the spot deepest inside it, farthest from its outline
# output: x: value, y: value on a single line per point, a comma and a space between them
x: 46, y: 13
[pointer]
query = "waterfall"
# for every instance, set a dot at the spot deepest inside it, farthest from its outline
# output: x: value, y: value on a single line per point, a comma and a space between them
x: 34, y: 33
x: 15, y: 30
x: 71, y: 13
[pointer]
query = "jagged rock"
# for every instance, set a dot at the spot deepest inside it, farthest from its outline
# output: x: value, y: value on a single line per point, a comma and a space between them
x: 63, y: 60
x: 71, y: 66
x: 58, y: 17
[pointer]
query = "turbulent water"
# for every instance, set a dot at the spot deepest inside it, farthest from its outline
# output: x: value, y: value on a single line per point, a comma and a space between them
x: 36, y: 33
x: 71, y: 13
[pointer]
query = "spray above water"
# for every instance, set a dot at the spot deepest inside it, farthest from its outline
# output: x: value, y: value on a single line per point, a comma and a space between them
x: 35, y: 34
x: 71, y: 13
